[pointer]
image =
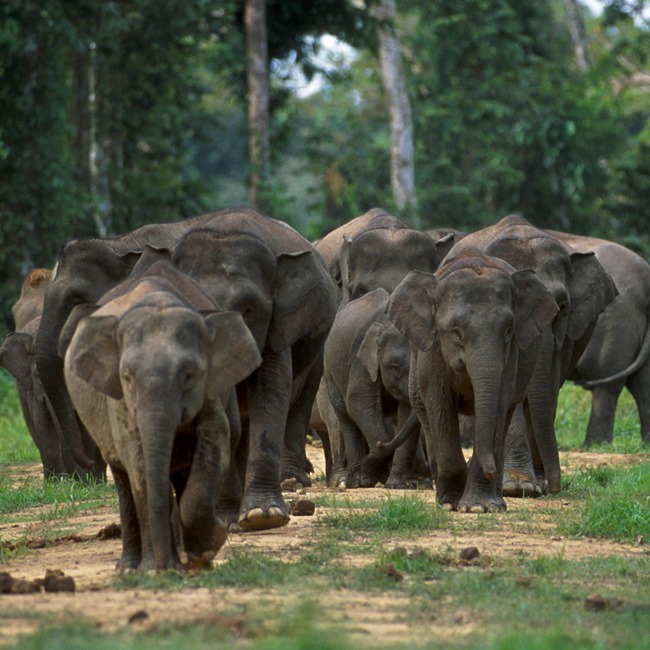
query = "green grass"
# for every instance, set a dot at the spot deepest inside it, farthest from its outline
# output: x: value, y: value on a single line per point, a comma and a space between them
x: 617, y: 503
x: 574, y: 407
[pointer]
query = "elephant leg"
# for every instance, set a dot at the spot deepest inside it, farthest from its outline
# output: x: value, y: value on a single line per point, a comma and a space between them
x: 482, y: 494
x: 231, y: 492
x: 203, y: 532
x: 294, y: 459
x: 600, y: 427
x: 262, y: 505
x: 402, y: 475
x: 332, y: 436
x: 131, y: 541
x: 519, y: 477
x: 639, y: 385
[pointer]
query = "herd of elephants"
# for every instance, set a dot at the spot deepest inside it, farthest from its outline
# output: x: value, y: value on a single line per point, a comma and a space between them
x: 193, y: 358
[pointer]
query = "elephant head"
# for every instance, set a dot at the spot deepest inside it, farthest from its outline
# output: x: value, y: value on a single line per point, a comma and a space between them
x: 383, y: 256
x: 480, y: 314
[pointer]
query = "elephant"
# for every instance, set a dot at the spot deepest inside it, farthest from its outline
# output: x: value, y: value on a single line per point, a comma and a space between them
x: 582, y: 290
x: 85, y: 270
x: 278, y: 281
x: 476, y: 327
x: 618, y: 353
x: 366, y: 369
x: 151, y: 370
x: 17, y: 357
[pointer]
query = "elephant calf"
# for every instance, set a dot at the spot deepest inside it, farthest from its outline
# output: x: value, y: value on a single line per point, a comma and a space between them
x: 151, y: 371
x: 366, y: 370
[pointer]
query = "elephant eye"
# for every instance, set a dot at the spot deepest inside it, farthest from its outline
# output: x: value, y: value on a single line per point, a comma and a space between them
x: 508, y: 334
x: 457, y: 336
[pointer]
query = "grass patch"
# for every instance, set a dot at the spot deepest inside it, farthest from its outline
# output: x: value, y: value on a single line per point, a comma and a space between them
x: 395, y: 515
x: 572, y: 417
x: 65, y: 494
x: 617, y: 503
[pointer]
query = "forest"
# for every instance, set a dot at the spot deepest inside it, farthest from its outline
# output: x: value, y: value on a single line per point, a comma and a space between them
x: 114, y: 114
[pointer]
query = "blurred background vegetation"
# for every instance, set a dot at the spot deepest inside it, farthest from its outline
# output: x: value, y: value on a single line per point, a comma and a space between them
x: 117, y: 113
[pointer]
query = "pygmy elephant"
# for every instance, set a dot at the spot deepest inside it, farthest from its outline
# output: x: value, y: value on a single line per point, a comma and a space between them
x: 582, y: 289
x: 17, y: 357
x: 85, y: 270
x: 366, y: 369
x: 274, y: 277
x: 618, y: 353
x: 151, y: 373
x: 476, y: 326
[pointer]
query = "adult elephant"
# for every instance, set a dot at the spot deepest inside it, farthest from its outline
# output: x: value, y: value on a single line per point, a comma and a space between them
x: 476, y: 327
x: 16, y: 355
x: 618, y: 353
x: 366, y: 373
x: 582, y: 290
x: 151, y: 371
x: 278, y: 281
x: 85, y: 270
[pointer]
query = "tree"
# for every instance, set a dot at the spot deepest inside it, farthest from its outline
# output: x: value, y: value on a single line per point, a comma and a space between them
x: 402, y: 162
x: 258, y: 98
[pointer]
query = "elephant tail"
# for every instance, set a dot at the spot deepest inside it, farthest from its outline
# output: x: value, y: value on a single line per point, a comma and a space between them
x: 640, y: 359
x: 409, y: 427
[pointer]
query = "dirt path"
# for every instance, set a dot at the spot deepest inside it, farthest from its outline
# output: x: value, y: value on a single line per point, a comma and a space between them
x: 90, y: 562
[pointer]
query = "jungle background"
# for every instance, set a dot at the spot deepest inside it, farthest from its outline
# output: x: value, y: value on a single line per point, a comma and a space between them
x: 118, y: 113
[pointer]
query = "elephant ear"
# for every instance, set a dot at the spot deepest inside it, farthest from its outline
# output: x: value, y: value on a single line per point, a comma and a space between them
x: 368, y: 352
x: 591, y: 289
x: 93, y: 354
x: 15, y: 356
x: 70, y: 326
x: 535, y: 307
x: 411, y: 308
x: 444, y: 245
x: 305, y: 300
x: 233, y: 351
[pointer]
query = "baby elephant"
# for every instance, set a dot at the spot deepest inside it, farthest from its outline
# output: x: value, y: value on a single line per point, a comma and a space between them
x: 366, y: 370
x: 151, y: 372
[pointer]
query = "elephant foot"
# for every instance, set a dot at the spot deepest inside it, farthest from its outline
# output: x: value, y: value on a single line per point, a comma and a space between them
x: 481, y: 500
x: 521, y: 484
x: 258, y: 513
x: 202, y: 548
x: 401, y: 484
x: 374, y: 470
x: 296, y: 479
x: 337, y: 479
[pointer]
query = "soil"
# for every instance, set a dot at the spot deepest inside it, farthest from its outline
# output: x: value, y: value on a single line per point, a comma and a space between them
x: 90, y: 561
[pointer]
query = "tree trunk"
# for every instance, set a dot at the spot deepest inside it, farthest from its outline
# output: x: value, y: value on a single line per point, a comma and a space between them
x: 402, y: 172
x: 258, y: 96
x: 577, y: 31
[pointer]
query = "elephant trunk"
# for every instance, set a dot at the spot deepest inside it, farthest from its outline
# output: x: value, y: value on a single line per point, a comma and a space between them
x: 486, y: 375
x: 50, y: 371
x: 157, y: 429
x: 408, y: 428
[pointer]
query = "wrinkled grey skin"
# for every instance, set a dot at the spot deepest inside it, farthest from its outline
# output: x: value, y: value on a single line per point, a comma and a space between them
x: 366, y: 369
x: 151, y: 373
x: 375, y: 250
x: 16, y: 355
x: 582, y: 290
x: 277, y: 280
x: 618, y: 354
x: 476, y: 327
x: 86, y: 269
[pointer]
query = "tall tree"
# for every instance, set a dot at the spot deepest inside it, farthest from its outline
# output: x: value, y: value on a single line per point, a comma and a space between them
x: 402, y: 162
x: 257, y: 75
